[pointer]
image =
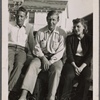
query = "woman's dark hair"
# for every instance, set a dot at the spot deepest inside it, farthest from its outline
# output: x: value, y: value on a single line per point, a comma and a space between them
x: 83, y: 22
x: 53, y: 12
x: 22, y: 9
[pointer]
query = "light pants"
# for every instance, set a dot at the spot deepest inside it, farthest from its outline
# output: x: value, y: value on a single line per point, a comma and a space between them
x: 17, y: 58
x: 32, y: 74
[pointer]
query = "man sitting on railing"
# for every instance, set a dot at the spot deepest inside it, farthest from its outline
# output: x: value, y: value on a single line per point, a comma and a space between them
x: 19, y: 38
x: 49, y: 49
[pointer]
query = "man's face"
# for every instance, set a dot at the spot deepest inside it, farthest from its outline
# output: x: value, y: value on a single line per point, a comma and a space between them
x: 52, y: 21
x: 21, y: 16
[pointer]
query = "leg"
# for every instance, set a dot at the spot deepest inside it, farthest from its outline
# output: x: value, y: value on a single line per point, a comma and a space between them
x: 29, y: 59
x: 84, y: 83
x: 20, y: 59
x: 11, y: 56
x: 23, y: 72
x: 31, y: 77
x: 67, y: 77
x: 54, y: 77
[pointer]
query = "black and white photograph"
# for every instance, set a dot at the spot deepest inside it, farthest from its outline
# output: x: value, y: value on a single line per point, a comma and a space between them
x: 49, y: 50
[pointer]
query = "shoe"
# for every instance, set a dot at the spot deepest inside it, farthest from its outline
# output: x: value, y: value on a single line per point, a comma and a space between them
x: 13, y: 95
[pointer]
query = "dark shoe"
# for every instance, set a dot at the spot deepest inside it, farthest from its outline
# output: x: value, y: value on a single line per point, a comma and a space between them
x: 13, y: 95
x: 76, y: 98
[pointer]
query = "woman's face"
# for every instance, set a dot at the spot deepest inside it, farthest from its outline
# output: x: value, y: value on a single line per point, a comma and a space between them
x: 78, y: 28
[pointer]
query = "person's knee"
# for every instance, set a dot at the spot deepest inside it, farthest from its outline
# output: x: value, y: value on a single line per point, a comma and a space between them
x: 35, y: 64
x: 69, y: 76
x: 56, y: 69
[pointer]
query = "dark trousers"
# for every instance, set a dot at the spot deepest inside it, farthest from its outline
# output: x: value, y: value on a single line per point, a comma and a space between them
x: 16, y: 59
x: 67, y: 79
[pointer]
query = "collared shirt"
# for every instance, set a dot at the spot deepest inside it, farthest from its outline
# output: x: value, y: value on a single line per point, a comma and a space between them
x: 17, y: 35
x: 50, y: 44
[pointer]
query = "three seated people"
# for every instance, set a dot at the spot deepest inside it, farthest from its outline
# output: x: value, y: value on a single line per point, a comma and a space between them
x: 47, y: 50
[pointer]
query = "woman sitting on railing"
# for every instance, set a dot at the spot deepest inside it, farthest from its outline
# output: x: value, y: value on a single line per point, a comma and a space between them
x: 79, y: 54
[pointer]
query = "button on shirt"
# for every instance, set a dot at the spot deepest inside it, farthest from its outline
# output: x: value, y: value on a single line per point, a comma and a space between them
x: 50, y: 44
x: 17, y: 35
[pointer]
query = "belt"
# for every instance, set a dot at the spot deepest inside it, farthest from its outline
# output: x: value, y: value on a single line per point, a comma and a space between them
x: 17, y: 47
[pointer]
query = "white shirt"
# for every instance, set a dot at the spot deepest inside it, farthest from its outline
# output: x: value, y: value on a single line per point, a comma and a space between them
x: 17, y: 35
x: 48, y: 43
x: 79, y: 49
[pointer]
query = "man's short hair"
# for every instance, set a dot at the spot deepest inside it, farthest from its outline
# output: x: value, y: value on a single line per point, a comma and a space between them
x: 22, y: 9
x: 52, y: 12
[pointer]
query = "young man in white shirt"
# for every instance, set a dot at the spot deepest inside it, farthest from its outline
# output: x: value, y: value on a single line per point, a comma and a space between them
x: 20, y: 36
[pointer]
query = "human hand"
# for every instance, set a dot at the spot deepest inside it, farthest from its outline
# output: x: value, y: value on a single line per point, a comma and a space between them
x: 76, y: 68
x: 77, y: 71
x: 45, y: 63
x: 82, y: 67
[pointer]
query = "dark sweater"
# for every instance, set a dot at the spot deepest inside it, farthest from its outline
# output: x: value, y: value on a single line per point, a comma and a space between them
x: 72, y: 44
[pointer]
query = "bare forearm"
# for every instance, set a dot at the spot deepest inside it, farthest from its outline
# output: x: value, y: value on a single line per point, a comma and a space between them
x: 73, y: 63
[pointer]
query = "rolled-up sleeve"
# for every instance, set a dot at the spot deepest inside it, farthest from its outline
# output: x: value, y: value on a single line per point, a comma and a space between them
x: 37, y: 49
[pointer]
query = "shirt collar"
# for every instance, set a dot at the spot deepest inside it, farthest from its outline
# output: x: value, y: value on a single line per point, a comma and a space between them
x: 15, y: 24
x: 54, y: 31
x: 80, y: 38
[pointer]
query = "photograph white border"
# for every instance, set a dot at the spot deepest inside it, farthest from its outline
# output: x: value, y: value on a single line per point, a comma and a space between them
x: 4, y: 53
x: 96, y: 50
